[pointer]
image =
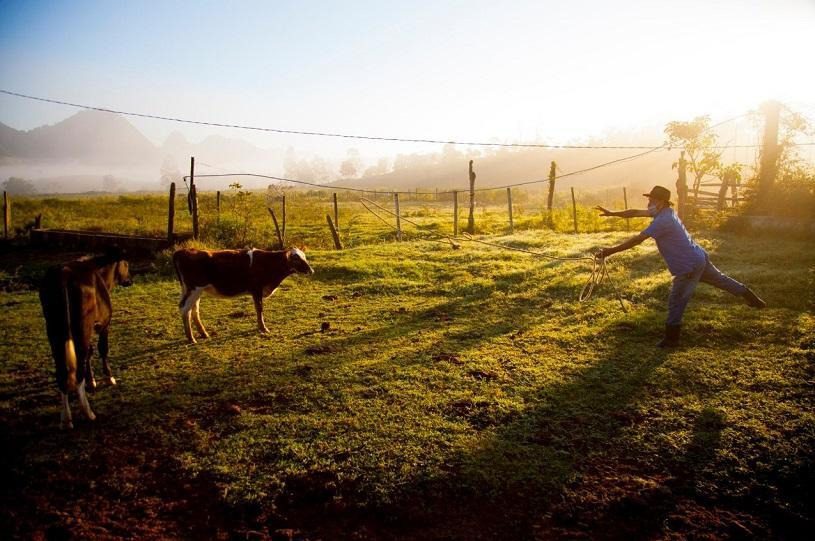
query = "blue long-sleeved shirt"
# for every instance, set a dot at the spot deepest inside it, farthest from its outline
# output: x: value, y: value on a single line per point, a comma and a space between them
x: 675, y: 244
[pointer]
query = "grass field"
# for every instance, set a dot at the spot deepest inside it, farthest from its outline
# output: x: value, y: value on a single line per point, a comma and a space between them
x: 244, y: 221
x: 457, y: 394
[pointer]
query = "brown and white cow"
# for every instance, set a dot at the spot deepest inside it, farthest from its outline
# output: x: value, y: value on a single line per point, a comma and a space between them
x: 228, y: 273
x: 75, y: 300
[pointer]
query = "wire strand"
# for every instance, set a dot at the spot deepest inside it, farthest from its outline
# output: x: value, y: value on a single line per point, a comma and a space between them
x: 338, y: 135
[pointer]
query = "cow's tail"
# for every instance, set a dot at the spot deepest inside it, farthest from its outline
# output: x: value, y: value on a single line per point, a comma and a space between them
x: 175, y: 267
x: 70, y: 350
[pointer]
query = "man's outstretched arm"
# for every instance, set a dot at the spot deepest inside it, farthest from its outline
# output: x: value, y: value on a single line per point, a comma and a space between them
x: 630, y: 213
x: 630, y: 243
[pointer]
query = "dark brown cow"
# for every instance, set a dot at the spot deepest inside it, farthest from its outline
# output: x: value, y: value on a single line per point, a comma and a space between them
x: 228, y: 273
x: 75, y: 300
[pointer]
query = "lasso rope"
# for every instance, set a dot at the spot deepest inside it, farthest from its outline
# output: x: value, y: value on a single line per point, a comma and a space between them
x: 599, y: 272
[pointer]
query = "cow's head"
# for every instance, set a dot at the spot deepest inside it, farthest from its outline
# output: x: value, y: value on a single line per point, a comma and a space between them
x: 114, y: 267
x: 298, y: 262
x: 121, y: 273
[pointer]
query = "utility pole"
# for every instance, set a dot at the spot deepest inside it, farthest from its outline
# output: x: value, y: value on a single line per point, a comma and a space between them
x: 682, y: 186
x: 769, y: 153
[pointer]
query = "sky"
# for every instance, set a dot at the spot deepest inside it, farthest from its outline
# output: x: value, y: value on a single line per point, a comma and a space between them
x: 547, y: 71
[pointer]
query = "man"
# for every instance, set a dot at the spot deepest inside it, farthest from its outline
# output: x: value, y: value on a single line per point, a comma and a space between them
x: 688, y: 262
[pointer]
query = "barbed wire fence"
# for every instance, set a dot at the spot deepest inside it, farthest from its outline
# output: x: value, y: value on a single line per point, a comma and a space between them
x: 415, y: 194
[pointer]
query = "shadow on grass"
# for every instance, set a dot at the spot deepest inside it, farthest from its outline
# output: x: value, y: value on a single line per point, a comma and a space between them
x: 509, y: 486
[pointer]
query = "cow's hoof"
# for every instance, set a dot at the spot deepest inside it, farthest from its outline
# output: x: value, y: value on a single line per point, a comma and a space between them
x: 264, y: 331
x: 90, y: 415
x: 92, y: 385
x: 66, y: 425
x: 112, y: 380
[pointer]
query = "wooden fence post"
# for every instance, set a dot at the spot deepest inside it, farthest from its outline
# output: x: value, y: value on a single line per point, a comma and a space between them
x: 334, y: 234
x: 625, y: 204
x: 218, y: 205
x: 574, y: 210
x: 336, y: 213
x: 471, y: 218
x: 6, y: 214
x: 194, y: 196
x: 734, y: 193
x: 398, y: 217
x: 283, y: 232
x: 509, y: 205
x: 455, y: 213
x: 552, y: 176
x: 277, y: 229
x: 171, y: 215
x: 721, y: 200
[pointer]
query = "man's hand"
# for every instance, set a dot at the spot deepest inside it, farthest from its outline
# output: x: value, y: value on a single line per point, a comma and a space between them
x: 604, y: 211
x: 603, y: 253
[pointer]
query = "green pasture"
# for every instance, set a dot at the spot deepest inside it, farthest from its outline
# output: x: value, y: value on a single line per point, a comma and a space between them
x: 244, y: 220
x: 456, y: 394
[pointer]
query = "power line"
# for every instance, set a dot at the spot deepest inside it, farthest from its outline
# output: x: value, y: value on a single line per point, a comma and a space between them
x: 313, y: 184
x: 572, y: 173
x: 338, y: 135
x: 664, y: 146
x: 362, y: 190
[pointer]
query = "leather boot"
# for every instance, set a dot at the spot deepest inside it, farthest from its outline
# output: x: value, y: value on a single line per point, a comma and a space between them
x: 671, y: 339
x: 753, y: 299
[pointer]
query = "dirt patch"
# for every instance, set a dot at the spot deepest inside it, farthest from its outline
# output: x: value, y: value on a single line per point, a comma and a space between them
x: 319, y: 349
x: 618, y: 499
x: 115, y: 487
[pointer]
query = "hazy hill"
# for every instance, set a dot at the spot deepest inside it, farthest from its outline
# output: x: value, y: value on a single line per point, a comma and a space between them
x: 221, y: 151
x: 91, y: 145
x: 88, y: 137
x: 73, y: 155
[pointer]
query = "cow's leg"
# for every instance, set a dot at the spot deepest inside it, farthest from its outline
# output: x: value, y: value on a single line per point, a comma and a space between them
x: 196, y: 317
x: 103, y: 353
x: 185, y: 315
x: 62, y: 353
x: 188, y: 302
x: 83, y: 402
x: 65, y: 420
x: 259, y: 310
x: 185, y: 318
x: 89, y: 370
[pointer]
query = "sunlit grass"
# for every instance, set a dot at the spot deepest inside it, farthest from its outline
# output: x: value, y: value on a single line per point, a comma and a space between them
x: 468, y: 376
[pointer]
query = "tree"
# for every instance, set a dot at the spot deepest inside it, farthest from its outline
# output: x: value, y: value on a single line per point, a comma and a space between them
x: 793, y: 192
x: 381, y: 168
x: 313, y: 170
x: 19, y: 186
x: 352, y: 165
x: 696, y: 138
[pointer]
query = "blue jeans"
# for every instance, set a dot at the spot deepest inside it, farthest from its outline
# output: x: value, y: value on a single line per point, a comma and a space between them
x: 685, y: 284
